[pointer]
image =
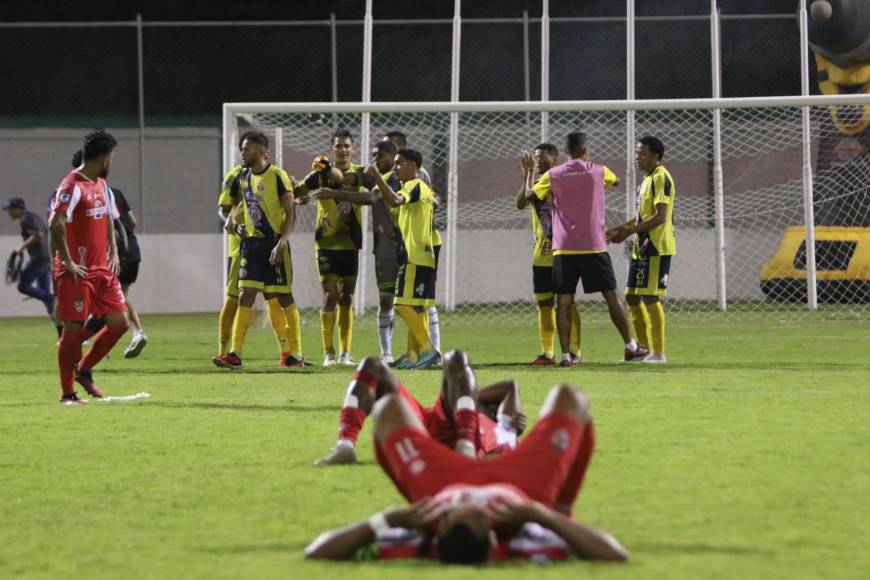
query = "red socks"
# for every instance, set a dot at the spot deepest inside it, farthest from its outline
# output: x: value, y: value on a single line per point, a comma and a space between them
x: 351, y: 423
x: 467, y: 425
x: 102, y: 344
x: 69, y: 351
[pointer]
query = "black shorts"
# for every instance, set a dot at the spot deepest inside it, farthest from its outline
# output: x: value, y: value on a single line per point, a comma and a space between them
x: 596, y: 271
x: 256, y: 272
x: 542, y: 279
x: 129, y: 274
x: 337, y: 265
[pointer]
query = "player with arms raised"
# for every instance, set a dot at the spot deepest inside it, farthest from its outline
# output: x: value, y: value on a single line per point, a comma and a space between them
x: 415, y: 284
x: 265, y: 266
x: 86, y: 265
x: 652, y: 250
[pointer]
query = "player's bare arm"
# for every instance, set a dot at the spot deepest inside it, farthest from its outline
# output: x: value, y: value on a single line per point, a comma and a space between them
x: 526, y: 167
x: 342, y: 543
x: 390, y: 196
x: 277, y: 255
x: 114, y: 260
x: 503, y: 397
x: 57, y: 227
x: 585, y: 541
x: 621, y: 233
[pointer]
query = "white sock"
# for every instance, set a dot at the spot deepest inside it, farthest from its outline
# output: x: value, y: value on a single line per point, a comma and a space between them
x: 386, y: 321
x: 434, y: 328
x: 631, y: 345
x: 344, y: 443
x: 465, y: 403
x: 566, y: 356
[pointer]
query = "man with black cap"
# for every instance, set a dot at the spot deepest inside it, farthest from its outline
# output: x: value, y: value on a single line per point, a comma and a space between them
x: 35, y: 278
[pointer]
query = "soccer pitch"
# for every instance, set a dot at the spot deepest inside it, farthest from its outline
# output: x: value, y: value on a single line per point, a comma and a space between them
x: 745, y: 457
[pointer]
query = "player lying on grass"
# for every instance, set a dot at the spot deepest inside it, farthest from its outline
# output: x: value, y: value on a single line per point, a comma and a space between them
x: 516, y: 505
x: 474, y: 422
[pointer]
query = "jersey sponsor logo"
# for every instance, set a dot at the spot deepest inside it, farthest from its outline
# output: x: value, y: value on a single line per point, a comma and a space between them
x: 560, y: 440
x: 83, y: 252
x: 243, y: 272
x: 79, y: 305
x: 418, y: 291
x: 98, y: 211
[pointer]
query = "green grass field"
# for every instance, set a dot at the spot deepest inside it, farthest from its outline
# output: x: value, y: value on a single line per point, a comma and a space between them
x: 748, y: 456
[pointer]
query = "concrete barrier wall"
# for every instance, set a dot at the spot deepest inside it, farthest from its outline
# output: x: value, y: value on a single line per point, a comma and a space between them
x: 182, y: 272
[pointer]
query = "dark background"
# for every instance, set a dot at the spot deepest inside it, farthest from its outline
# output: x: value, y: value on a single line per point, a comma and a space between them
x: 190, y: 71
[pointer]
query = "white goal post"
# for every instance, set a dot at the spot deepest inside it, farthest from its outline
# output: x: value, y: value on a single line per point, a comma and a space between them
x: 748, y: 173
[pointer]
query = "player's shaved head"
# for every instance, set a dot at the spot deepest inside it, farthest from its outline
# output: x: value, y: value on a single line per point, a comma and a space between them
x: 396, y: 137
x: 576, y: 143
x: 548, y: 147
x: 386, y: 147
x: 464, y: 536
x: 244, y: 136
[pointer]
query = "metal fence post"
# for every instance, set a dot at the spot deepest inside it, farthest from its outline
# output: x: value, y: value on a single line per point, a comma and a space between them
x: 807, y: 162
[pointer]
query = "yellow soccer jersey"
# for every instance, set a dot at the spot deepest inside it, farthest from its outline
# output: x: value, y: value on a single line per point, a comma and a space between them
x: 262, y: 193
x: 231, y: 194
x: 542, y: 228
x: 656, y: 188
x: 330, y: 232
x: 415, y: 223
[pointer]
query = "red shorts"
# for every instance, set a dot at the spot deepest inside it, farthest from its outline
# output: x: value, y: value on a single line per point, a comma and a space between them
x: 420, y: 466
x: 441, y: 427
x: 96, y: 294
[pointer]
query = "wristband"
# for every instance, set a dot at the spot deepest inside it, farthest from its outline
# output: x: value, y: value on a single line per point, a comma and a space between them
x: 378, y: 524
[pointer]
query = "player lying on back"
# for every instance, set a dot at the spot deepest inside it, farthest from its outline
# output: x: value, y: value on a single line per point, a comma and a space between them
x: 516, y: 505
x: 476, y: 422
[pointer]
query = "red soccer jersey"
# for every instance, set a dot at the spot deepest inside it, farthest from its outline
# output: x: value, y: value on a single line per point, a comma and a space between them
x: 89, y: 207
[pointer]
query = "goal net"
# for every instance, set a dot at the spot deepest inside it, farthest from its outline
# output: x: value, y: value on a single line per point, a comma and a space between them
x: 749, y: 256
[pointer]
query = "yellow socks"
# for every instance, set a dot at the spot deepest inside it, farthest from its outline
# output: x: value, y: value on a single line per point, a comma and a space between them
x: 656, y: 313
x: 240, y: 328
x: 547, y: 328
x: 418, y: 326
x: 640, y: 320
x: 345, y: 327
x: 574, y: 338
x: 327, y: 327
x: 294, y: 330
x: 279, y: 324
x: 227, y: 317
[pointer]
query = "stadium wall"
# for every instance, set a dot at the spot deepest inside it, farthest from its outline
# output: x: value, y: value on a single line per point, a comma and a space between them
x: 182, y: 272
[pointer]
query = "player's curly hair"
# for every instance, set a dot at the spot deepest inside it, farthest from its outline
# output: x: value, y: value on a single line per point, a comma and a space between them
x: 386, y: 147
x: 77, y: 158
x: 96, y: 143
x: 460, y: 545
x: 256, y: 137
x: 654, y: 145
x: 412, y: 155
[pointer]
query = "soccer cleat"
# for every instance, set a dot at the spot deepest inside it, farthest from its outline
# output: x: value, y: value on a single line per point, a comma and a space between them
x: 576, y: 359
x: 387, y: 358
x: 338, y: 455
x: 288, y: 361
x: 427, y: 359
x: 86, y: 380
x: 565, y: 363
x: 71, y: 399
x: 407, y: 363
x: 329, y: 359
x: 466, y: 447
x: 633, y: 355
x: 346, y: 360
x: 400, y: 361
x: 543, y: 360
x: 655, y: 358
x: 136, y: 345
x: 228, y: 360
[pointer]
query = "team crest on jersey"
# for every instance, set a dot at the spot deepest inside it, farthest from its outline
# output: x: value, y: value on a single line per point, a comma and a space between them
x: 261, y: 187
x: 64, y: 198
x: 560, y: 440
x: 663, y: 282
x: 79, y: 305
x: 243, y: 272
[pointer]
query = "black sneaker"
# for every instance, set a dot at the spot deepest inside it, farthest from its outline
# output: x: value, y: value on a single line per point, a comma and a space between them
x: 86, y: 380
x: 71, y: 399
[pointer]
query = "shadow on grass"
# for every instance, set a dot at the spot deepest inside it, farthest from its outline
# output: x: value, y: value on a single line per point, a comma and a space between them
x: 698, y: 548
x: 250, y: 549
